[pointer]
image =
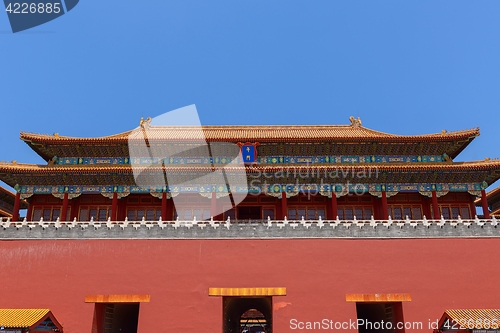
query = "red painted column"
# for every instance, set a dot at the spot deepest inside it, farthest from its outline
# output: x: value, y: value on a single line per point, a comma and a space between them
x: 17, y: 204
x: 472, y: 207
x: 64, y: 210
x: 484, y: 204
x: 29, y: 213
x: 121, y: 210
x: 170, y: 209
x: 284, y: 208
x: 114, y: 206
x: 213, y: 205
x: 385, y: 212
x: 277, y: 207
x: 164, y: 206
x: 74, y: 209
x: 435, y: 206
x: 426, y: 207
x: 335, y: 211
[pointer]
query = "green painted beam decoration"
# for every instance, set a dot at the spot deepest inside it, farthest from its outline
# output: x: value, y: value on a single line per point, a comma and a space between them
x: 224, y: 160
x: 275, y: 190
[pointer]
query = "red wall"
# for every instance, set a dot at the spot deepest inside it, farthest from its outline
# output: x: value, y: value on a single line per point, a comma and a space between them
x: 439, y: 274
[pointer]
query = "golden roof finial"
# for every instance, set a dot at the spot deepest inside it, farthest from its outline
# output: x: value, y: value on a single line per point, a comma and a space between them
x: 355, y: 122
x: 145, y: 122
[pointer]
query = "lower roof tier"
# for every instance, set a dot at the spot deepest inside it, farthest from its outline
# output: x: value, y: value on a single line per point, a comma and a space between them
x: 7, y: 199
x: 453, y: 173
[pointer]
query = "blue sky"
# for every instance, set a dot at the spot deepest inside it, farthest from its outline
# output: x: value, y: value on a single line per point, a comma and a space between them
x: 404, y: 67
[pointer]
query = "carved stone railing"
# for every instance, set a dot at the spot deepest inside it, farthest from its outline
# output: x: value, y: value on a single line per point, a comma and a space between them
x: 407, y: 228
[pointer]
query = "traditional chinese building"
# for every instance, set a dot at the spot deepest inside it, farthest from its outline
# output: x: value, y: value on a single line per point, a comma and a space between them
x: 337, y: 224
x: 493, y: 198
x: 28, y: 321
x: 354, y: 171
x: 469, y: 321
x: 7, y: 203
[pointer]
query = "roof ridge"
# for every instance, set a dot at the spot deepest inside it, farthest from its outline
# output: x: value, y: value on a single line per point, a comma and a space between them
x: 231, y: 128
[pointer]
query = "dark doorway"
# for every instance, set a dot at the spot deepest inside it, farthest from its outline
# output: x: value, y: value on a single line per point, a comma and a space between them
x: 249, y: 213
x: 380, y: 317
x: 247, y: 314
x: 253, y: 321
x: 116, y: 317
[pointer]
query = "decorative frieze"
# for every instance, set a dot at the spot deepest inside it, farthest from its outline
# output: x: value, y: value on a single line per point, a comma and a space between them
x: 275, y: 190
x: 250, y: 156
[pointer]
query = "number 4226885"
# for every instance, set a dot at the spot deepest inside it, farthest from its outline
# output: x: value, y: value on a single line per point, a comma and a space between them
x: 33, y: 8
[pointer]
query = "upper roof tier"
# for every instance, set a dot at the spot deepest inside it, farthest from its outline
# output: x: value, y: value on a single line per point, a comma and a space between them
x: 354, y: 135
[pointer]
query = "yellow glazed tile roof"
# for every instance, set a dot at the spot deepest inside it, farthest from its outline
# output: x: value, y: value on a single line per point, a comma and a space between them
x: 18, y: 318
x: 243, y: 133
x: 378, y: 297
x: 476, y: 317
x: 247, y: 291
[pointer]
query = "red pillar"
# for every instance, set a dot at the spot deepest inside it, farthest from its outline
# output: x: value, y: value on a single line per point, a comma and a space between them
x: 484, y: 204
x: 17, y: 204
x: 284, y: 208
x: 426, y: 207
x: 75, y: 209
x: 64, y: 210
x: 472, y: 207
x: 75, y: 205
x: 435, y: 207
x: 334, y: 207
x: 170, y: 209
x: 277, y: 206
x: 114, y: 206
x: 164, y: 206
x: 385, y: 211
x: 213, y: 205
x: 120, y: 215
x: 29, y: 213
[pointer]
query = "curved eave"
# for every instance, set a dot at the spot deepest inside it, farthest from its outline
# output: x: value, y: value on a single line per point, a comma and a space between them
x: 492, y: 197
x: 261, y: 134
x: 493, y: 194
x: 496, y: 213
x: 6, y: 195
x: 5, y: 213
x: 455, y: 166
x: 9, y: 197
x: 469, y: 172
